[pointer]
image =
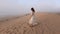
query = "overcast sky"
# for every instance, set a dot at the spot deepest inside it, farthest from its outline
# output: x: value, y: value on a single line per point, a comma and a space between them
x: 23, y: 6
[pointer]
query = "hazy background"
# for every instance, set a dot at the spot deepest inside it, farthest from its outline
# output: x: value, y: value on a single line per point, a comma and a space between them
x: 18, y: 7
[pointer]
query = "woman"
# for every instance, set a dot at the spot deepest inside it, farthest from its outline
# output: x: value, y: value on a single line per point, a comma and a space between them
x: 33, y: 21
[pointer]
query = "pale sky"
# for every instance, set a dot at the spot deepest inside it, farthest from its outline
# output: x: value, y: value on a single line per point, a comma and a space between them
x: 23, y: 6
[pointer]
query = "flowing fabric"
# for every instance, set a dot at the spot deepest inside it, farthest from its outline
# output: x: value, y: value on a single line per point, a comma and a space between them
x: 33, y: 20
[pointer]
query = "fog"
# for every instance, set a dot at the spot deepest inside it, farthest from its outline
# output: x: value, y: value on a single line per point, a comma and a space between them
x: 20, y: 7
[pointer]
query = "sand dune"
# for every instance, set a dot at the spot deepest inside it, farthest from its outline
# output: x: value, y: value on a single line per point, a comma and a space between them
x: 48, y: 24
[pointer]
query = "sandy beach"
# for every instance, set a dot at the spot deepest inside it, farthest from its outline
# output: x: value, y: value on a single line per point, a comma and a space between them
x: 48, y: 24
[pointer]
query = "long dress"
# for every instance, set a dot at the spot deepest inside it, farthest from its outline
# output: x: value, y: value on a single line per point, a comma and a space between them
x: 33, y: 21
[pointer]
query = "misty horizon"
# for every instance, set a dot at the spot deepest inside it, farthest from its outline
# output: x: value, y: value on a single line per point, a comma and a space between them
x: 17, y: 7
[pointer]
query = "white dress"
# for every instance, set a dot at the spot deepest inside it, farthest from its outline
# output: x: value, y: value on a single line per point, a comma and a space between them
x: 33, y: 21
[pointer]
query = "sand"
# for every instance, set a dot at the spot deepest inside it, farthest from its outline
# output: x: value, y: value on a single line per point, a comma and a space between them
x: 48, y: 24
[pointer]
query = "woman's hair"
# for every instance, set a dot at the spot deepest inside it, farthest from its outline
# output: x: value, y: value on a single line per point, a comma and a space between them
x: 33, y: 9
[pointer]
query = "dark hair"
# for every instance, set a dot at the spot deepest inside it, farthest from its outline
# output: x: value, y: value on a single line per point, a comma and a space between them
x: 33, y: 9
